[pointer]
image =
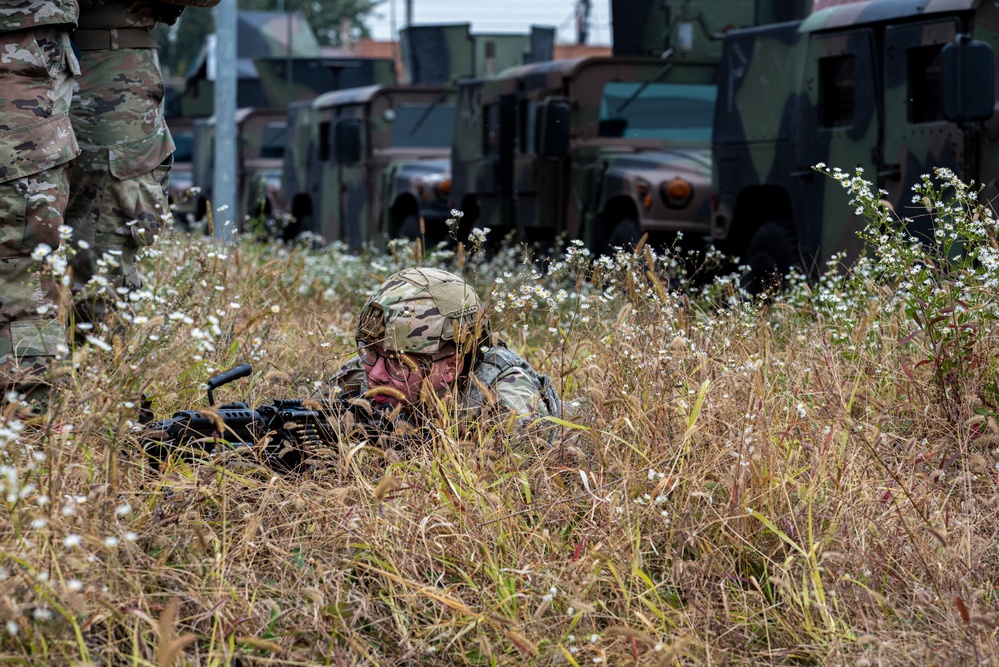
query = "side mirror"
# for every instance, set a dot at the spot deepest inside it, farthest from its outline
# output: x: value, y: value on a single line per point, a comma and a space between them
x: 968, y: 80
x: 347, y: 141
x: 552, y: 136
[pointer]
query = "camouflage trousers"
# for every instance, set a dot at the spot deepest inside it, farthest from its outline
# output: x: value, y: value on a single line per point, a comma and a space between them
x: 36, y: 145
x: 118, y: 187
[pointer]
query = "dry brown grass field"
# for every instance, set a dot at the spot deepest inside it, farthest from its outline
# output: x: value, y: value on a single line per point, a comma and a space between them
x: 800, y: 480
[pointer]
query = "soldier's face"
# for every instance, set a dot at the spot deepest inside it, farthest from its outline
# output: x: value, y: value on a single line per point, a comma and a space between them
x: 407, y: 374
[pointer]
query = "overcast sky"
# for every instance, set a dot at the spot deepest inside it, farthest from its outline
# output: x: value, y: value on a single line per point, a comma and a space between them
x: 497, y: 16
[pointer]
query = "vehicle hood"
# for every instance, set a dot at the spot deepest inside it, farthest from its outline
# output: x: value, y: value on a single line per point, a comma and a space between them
x: 682, y: 162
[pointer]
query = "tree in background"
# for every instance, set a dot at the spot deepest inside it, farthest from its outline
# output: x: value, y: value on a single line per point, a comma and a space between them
x: 180, y: 43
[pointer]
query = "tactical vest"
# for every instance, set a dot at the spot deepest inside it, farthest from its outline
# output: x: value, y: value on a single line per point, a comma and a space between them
x: 497, y: 360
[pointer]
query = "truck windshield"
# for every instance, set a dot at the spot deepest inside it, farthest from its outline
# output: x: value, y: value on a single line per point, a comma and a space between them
x: 664, y: 111
x: 433, y: 132
x: 184, y: 141
x: 272, y: 142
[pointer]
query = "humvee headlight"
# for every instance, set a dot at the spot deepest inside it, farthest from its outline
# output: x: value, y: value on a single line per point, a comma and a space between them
x: 644, y: 191
x: 676, y: 193
x: 444, y: 188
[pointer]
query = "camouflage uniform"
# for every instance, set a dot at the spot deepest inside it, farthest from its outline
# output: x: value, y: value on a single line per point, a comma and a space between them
x: 36, y: 145
x: 118, y: 194
x: 416, y: 311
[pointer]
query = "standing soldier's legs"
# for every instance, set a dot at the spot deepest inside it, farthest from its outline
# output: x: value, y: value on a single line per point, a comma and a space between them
x: 118, y: 193
x: 32, y: 209
x: 36, y: 145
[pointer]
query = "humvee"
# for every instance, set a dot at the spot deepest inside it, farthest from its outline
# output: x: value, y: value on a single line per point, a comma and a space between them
x: 260, y: 142
x: 602, y: 148
x: 895, y: 88
x: 371, y: 163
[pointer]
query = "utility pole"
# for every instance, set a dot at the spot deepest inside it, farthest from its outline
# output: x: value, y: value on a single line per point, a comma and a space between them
x: 225, y: 121
x: 409, y: 13
x: 582, y: 20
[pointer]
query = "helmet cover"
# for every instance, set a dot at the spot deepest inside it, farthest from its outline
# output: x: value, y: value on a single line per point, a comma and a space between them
x: 417, y: 311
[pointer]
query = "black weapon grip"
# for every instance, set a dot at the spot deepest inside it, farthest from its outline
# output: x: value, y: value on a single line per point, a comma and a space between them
x: 240, y: 371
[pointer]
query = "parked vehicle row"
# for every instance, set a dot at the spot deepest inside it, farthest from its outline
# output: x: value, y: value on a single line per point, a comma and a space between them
x: 704, y: 125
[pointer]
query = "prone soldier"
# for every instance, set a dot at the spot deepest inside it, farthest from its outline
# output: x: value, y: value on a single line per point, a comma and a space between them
x: 422, y: 336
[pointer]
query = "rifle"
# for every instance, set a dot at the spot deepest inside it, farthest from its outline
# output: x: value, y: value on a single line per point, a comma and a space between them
x: 282, y: 434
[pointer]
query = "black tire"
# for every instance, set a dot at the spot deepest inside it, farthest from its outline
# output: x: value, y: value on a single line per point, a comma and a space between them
x: 771, y: 254
x: 626, y: 234
x: 410, y: 228
x: 292, y: 230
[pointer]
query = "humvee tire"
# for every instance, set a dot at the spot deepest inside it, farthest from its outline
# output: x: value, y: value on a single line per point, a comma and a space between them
x: 770, y: 255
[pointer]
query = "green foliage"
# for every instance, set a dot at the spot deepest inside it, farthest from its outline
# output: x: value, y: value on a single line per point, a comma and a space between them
x: 945, y: 285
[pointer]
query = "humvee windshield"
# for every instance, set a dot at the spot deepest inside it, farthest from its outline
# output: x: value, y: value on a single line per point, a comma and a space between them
x: 184, y: 141
x: 272, y: 141
x: 416, y: 127
x: 663, y: 111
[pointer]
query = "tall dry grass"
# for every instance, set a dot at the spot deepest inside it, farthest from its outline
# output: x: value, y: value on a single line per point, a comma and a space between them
x: 739, y: 483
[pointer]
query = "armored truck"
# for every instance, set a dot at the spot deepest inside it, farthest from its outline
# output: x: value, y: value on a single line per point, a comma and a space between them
x: 369, y: 161
x: 602, y: 148
x: 893, y: 87
x: 260, y: 142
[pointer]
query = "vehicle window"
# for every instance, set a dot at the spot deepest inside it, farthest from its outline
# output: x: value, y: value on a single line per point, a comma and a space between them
x: 423, y: 125
x: 184, y: 141
x: 837, y: 86
x: 925, y: 84
x: 272, y: 141
x: 527, y: 126
x: 325, y: 137
x: 490, y: 129
x: 664, y: 111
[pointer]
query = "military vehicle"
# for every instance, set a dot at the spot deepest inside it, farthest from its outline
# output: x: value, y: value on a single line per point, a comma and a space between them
x: 179, y: 194
x: 369, y: 163
x: 896, y: 88
x: 279, y: 61
x: 260, y: 141
x: 376, y: 158
x: 267, y: 36
x: 603, y: 148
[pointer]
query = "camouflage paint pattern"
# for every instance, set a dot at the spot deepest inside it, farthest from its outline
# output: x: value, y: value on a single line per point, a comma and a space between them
x: 118, y: 194
x: 856, y: 84
x: 435, y: 55
x: 441, y: 54
x: 397, y: 177
x: 502, y: 181
x: 314, y: 76
x: 36, y: 145
x: 260, y: 141
x: 263, y: 52
x: 605, y: 182
x: 397, y: 182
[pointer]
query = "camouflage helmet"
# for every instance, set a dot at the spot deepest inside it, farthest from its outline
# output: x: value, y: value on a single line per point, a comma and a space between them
x: 417, y: 311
